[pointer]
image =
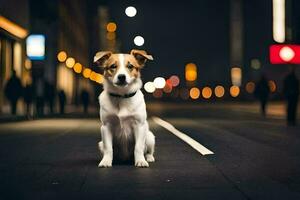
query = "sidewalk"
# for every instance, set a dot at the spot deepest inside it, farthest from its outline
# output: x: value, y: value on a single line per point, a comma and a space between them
x: 71, y: 111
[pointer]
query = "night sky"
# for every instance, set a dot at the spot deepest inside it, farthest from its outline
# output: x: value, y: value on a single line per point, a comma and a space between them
x: 177, y: 33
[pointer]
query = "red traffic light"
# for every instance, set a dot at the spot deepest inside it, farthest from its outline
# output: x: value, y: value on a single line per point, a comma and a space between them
x: 285, y: 54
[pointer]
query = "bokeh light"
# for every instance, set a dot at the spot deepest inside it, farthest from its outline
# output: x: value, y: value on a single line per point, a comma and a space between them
x: 159, y: 82
x: 272, y: 85
x: 62, y: 56
x: 99, y: 78
x: 255, y: 64
x: 77, y: 68
x: 139, y: 40
x: 287, y: 54
x: 194, y: 93
x: 236, y: 76
x: 70, y: 62
x: 206, y: 92
x: 168, y: 87
x: 158, y: 93
x: 174, y: 80
x: 86, y: 73
x: 111, y: 27
x: 234, y: 91
x: 250, y: 87
x: 190, y: 72
x: 149, y: 87
x: 219, y: 91
x: 130, y: 11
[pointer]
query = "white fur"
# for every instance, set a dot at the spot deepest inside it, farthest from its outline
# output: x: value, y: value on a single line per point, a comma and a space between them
x: 125, y: 129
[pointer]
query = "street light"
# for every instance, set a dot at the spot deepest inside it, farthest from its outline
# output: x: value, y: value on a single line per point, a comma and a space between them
x: 130, y: 11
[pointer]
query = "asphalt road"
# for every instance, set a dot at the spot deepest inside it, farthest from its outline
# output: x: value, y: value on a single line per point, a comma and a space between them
x: 254, y: 158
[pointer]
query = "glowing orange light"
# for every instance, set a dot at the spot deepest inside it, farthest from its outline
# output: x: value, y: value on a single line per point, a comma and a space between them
x: 272, y: 86
x: 250, y: 87
x: 99, y: 78
x: 194, y: 93
x: 77, y: 68
x: 190, y: 72
x: 219, y: 91
x: 62, y: 56
x: 234, y: 91
x: 12, y: 28
x: 111, y: 27
x: 86, y: 73
x: 93, y: 76
x: 206, y: 92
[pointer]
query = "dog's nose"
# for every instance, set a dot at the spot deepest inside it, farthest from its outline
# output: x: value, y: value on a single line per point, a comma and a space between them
x: 121, y: 78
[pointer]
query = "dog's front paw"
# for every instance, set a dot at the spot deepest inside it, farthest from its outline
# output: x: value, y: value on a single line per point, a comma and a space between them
x: 105, y: 162
x: 150, y: 158
x: 141, y: 163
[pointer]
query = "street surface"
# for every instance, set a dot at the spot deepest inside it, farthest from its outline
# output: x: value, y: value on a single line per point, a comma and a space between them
x: 253, y: 157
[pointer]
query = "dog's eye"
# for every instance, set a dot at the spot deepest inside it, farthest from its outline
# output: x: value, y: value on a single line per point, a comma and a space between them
x: 130, y: 67
x: 113, y: 66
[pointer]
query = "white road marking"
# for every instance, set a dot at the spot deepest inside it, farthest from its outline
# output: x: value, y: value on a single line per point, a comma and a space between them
x: 190, y: 141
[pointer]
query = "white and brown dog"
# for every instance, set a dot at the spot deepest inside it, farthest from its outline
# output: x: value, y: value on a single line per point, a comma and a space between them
x: 125, y: 131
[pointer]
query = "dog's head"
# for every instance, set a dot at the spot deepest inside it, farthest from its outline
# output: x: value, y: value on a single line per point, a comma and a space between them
x: 122, y: 69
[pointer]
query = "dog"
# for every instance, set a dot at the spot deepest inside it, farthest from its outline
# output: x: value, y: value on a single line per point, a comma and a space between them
x: 125, y: 131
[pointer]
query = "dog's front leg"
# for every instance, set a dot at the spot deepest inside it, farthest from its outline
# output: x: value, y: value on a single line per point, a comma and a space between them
x: 107, y: 147
x: 140, y: 140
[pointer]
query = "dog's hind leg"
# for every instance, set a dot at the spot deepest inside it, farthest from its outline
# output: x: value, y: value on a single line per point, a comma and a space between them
x: 150, y: 145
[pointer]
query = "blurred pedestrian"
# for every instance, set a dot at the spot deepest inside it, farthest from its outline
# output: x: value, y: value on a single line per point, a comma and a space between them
x: 13, y: 91
x: 40, y: 96
x: 261, y: 92
x: 50, y: 96
x: 28, y: 97
x: 85, y: 98
x: 62, y: 101
x: 291, y: 93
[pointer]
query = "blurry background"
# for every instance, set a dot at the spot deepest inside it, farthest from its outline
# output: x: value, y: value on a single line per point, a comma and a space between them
x: 204, y: 51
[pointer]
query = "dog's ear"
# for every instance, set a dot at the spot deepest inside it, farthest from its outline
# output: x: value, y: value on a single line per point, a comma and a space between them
x: 141, y: 56
x: 101, y: 57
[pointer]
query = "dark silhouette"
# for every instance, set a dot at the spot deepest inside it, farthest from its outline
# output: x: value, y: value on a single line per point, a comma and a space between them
x: 291, y: 93
x: 62, y: 101
x: 85, y: 98
x: 13, y: 91
x: 50, y: 96
x: 40, y: 95
x: 28, y: 97
x: 261, y: 92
